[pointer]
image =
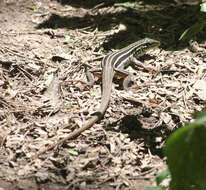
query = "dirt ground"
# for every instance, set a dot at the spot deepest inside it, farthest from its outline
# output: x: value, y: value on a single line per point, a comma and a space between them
x: 44, y: 48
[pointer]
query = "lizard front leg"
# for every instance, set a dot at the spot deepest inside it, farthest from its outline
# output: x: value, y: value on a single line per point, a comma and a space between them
x: 138, y: 63
x: 128, y: 76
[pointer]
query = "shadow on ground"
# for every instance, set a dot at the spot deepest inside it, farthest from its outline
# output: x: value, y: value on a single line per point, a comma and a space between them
x: 165, y: 23
x: 90, y: 4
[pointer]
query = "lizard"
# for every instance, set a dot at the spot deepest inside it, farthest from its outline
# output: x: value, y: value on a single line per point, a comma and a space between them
x: 111, y: 65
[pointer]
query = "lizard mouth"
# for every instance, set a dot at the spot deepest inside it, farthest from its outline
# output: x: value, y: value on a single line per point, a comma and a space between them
x: 155, y: 44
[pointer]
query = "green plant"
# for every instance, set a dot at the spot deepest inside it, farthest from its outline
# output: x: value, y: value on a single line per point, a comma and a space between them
x: 32, y: 7
x: 186, y: 155
x: 196, y: 28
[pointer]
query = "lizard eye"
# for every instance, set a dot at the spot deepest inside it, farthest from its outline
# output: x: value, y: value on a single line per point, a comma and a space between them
x: 134, y: 74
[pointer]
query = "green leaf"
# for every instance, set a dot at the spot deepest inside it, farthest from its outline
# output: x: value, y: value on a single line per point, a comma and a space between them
x: 93, y: 94
x: 101, y: 49
x: 186, y: 153
x: 32, y: 7
x: 67, y: 38
x: 162, y: 176
x: 73, y: 153
x: 122, y: 137
x: 42, y: 55
x: 69, y: 105
x: 203, y: 7
x: 8, y: 113
x: 194, y: 29
x: 55, y: 26
x: 154, y: 188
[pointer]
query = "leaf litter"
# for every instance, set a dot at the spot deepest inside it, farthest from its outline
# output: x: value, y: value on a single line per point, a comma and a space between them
x: 41, y: 102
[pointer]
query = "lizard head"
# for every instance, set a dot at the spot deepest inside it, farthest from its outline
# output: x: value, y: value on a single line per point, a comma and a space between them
x: 144, y: 45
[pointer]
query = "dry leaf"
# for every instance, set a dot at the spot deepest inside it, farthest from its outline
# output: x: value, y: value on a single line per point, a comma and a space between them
x: 200, y: 87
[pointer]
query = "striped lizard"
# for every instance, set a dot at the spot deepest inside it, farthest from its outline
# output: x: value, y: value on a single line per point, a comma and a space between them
x: 111, y: 65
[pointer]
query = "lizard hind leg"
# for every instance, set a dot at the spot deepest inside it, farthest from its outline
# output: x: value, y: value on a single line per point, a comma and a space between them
x: 90, y: 74
x: 128, y: 82
x: 128, y: 78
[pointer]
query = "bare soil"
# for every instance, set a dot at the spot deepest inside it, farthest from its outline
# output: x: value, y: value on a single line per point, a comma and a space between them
x: 44, y: 48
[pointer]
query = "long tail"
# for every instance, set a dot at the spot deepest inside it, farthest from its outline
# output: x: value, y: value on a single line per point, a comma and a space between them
x: 107, y: 77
